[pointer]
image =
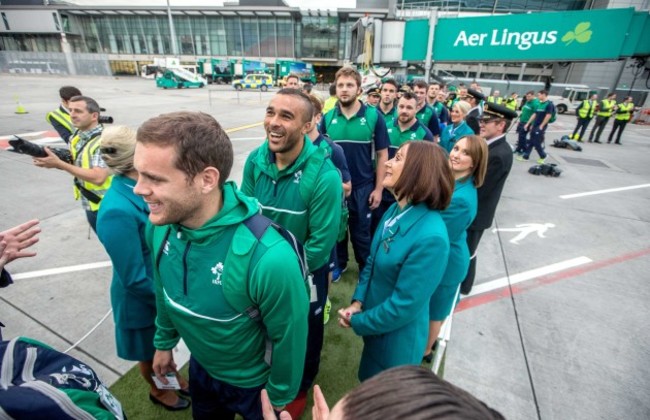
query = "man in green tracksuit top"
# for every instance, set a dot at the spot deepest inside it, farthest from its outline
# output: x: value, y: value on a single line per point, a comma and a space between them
x: 299, y: 187
x: 207, y: 263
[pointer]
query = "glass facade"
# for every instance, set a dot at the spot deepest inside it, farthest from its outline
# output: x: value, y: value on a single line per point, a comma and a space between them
x: 320, y: 37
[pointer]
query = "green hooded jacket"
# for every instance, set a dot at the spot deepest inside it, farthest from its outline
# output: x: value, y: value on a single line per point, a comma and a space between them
x: 190, y: 268
x: 314, y: 223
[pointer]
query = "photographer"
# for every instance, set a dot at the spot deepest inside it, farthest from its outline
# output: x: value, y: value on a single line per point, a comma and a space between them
x: 91, y: 177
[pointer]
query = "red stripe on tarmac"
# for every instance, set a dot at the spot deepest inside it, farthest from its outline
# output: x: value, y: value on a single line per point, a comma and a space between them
x: 504, y: 292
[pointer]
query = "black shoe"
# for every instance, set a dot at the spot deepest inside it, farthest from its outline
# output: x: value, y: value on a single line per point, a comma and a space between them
x: 428, y: 358
x: 597, y: 141
x: 185, y: 392
x: 619, y: 143
x: 181, y: 404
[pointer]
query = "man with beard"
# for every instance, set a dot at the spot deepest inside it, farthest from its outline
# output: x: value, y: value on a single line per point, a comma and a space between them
x: 235, y: 294
x: 359, y: 129
x: 425, y: 114
x: 387, y: 106
x: 405, y: 128
x: 298, y: 187
x: 494, y: 125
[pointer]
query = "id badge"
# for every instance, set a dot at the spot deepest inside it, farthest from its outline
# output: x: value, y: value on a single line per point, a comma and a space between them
x: 313, y: 292
x: 110, y: 402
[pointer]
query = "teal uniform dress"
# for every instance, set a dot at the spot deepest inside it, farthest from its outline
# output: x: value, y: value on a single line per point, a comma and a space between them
x: 407, y: 261
x: 458, y: 217
x: 453, y: 133
x: 120, y: 227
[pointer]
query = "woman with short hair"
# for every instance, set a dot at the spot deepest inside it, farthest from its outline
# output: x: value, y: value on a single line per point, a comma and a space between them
x: 408, y: 257
x: 457, y: 127
x: 121, y: 226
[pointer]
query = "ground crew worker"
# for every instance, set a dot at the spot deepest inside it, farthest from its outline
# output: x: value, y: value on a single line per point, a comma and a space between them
x: 585, y: 113
x: 405, y: 128
x: 60, y: 117
x: 621, y: 118
x: 605, y: 110
x: 331, y: 101
x: 387, y: 106
x: 495, y: 97
x: 226, y: 282
x: 298, y: 187
x: 359, y: 129
x: 528, y: 107
x: 511, y: 101
x: 91, y: 175
x: 426, y: 115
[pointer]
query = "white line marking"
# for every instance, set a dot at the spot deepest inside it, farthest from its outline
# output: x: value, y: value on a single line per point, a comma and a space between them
x: 633, y: 187
x: 60, y: 270
x: 528, y: 275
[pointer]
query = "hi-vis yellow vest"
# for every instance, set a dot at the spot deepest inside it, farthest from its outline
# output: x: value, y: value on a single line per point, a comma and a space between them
x: 623, y: 112
x: 606, y: 108
x: 83, y: 161
x: 587, y: 109
x: 60, y: 117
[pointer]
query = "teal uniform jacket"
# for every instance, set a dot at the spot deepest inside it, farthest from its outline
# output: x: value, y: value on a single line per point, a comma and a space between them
x: 451, y: 134
x: 458, y: 217
x: 314, y: 223
x: 121, y: 223
x: 405, y: 266
x: 190, y: 270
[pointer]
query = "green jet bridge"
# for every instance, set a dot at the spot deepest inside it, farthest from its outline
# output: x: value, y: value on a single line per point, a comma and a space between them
x: 531, y: 37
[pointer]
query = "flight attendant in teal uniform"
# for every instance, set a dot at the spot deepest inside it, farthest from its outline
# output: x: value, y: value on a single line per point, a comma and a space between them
x: 408, y: 257
x: 120, y: 227
x: 468, y: 161
x: 458, y: 127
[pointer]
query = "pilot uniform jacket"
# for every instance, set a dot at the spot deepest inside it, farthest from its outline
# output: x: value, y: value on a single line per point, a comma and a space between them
x: 498, y: 168
x: 472, y: 119
x: 406, y: 263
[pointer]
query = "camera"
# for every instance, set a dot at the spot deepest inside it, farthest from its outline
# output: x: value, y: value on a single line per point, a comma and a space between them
x: 25, y: 147
x: 105, y: 119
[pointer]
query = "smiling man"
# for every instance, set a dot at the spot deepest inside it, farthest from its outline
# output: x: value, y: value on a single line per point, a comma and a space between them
x: 298, y: 186
x: 236, y: 298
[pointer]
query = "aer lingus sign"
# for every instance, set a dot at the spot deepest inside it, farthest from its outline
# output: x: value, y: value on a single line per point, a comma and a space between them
x: 580, y: 35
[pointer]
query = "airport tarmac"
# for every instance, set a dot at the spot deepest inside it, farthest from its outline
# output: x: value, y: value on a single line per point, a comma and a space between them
x: 556, y: 327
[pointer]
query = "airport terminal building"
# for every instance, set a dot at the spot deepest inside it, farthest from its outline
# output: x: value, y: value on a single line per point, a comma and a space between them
x: 119, y: 40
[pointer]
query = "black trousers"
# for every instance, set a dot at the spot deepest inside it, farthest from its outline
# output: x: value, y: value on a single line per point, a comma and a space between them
x: 620, y: 126
x: 316, y: 328
x: 473, y: 239
x: 582, y: 127
x: 599, y: 126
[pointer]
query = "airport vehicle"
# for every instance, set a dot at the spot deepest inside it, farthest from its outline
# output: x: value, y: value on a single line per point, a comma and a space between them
x: 179, y: 78
x: 223, y: 71
x: 571, y: 99
x: 254, y: 81
x: 283, y: 68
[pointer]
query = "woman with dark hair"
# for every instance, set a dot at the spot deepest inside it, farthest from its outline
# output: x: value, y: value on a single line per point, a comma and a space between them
x: 468, y: 162
x: 458, y: 127
x: 408, y: 257
x: 121, y: 228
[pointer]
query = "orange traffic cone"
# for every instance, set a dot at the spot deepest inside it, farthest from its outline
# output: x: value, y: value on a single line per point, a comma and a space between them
x: 19, y: 108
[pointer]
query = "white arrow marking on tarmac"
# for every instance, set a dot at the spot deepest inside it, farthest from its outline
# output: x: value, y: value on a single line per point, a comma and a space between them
x: 528, y: 275
x: 525, y: 230
x: 633, y: 187
x: 60, y: 270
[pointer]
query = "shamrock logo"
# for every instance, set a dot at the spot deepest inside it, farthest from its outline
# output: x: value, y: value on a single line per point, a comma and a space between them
x: 581, y: 33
